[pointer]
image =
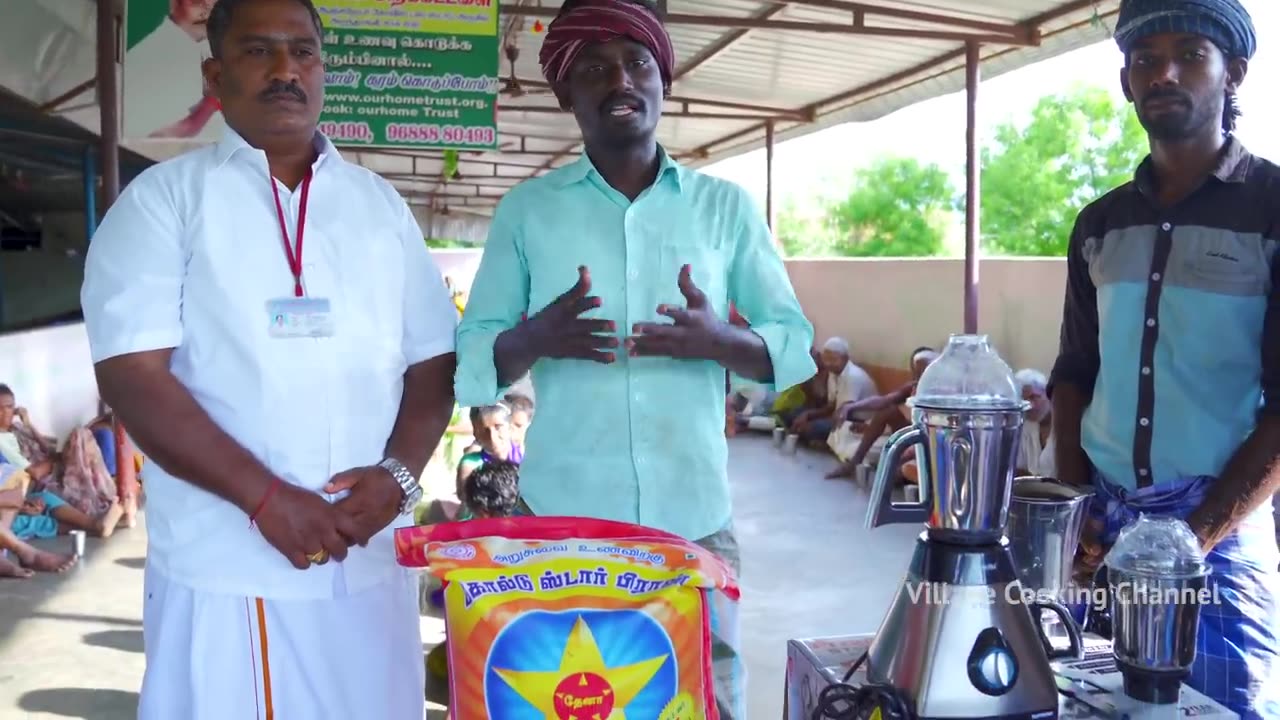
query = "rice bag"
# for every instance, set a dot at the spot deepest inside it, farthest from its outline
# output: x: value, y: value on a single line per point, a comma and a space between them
x: 572, y: 619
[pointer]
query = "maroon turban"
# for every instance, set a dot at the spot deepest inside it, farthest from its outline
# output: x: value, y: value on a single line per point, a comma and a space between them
x: 599, y: 21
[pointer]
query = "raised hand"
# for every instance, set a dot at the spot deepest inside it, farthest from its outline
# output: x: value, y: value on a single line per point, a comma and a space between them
x: 693, y: 333
x: 559, y: 330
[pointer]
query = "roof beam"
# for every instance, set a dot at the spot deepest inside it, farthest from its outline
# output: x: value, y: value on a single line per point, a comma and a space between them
x: 766, y: 110
x: 1033, y: 24
x: 1018, y: 31
x: 856, y: 26
x: 721, y: 44
x: 403, y: 177
x: 681, y: 113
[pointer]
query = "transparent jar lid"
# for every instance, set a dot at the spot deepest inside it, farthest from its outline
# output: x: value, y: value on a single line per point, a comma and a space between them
x: 1158, y: 547
x: 969, y: 374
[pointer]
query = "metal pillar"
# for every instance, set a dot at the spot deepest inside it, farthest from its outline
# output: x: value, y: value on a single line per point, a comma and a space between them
x: 108, y: 102
x: 90, y: 193
x: 109, y: 114
x: 973, y: 201
x: 768, y: 174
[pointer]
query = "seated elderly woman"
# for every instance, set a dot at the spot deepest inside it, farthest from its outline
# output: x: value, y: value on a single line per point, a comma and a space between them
x: 891, y: 413
x: 16, y: 505
x: 78, y: 475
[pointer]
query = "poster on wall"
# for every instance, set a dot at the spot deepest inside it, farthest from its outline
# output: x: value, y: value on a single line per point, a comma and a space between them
x: 398, y: 73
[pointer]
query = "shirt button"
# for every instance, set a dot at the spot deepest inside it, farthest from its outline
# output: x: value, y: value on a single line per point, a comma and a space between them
x: 1155, y: 276
x: 1146, y: 371
x: 1151, y: 322
x: 1166, y: 227
x: 1143, y: 472
x: 1144, y: 422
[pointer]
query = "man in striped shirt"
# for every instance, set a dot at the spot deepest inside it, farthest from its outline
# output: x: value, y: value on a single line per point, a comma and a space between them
x: 1166, y: 390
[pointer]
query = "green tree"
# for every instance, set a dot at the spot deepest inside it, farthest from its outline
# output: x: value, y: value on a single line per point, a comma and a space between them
x: 804, y: 234
x: 1037, y: 176
x: 898, y: 207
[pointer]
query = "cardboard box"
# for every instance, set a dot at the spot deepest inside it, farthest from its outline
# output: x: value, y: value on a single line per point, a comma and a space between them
x: 812, y: 665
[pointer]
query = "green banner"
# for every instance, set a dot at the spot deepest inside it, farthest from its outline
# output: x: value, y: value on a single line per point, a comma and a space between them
x: 411, y: 73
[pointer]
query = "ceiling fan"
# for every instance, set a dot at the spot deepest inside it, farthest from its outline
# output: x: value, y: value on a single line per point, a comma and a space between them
x: 511, y: 86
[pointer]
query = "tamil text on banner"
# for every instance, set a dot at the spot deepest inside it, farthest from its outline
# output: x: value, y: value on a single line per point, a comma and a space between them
x: 398, y: 73
x: 411, y: 73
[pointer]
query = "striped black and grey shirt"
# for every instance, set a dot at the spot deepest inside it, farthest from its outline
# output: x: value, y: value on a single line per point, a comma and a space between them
x: 1172, y: 321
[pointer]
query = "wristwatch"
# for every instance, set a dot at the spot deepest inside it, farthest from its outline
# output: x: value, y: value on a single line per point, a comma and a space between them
x: 408, y: 484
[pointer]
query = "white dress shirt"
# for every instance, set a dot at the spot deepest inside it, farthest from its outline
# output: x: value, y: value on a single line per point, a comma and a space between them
x: 851, y: 385
x: 188, y: 258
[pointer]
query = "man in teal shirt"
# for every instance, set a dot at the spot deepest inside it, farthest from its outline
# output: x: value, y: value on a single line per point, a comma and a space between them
x: 625, y: 263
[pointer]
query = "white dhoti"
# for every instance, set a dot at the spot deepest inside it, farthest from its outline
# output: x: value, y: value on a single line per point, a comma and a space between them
x: 225, y: 657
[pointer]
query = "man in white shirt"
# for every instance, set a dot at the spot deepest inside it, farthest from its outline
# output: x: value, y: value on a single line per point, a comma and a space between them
x: 1035, y: 445
x: 289, y: 401
x: 846, y: 383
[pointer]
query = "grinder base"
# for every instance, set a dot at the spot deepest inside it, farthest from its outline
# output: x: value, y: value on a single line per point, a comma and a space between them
x: 1158, y: 687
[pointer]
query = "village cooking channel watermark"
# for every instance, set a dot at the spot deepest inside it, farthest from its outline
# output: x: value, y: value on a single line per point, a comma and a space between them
x: 1098, y: 598
x: 411, y: 73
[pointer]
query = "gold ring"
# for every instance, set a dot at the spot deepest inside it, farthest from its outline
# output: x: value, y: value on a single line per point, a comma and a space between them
x: 319, y: 558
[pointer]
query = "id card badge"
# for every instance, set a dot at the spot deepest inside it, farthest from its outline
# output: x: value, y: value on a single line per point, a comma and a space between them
x: 299, y: 318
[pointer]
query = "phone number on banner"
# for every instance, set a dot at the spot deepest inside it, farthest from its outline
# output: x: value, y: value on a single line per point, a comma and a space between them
x: 447, y: 134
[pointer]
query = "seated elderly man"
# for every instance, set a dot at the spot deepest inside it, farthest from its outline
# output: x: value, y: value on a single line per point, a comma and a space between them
x: 890, y: 412
x: 846, y: 383
x: 1035, y: 448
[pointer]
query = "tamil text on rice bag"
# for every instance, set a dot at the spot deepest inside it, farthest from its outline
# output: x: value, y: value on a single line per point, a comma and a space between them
x: 573, y: 619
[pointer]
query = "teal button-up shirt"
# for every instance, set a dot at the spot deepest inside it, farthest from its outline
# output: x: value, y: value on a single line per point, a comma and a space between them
x: 641, y: 440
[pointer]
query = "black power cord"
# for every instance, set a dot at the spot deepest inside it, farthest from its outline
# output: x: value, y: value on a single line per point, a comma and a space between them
x: 842, y: 701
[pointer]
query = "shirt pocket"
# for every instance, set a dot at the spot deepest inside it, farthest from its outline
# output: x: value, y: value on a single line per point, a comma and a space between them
x: 706, y: 254
x: 370, y: 281
x: 1231, y: 264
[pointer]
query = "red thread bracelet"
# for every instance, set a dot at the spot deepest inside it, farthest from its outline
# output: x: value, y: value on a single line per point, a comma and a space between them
x: 271, y: 489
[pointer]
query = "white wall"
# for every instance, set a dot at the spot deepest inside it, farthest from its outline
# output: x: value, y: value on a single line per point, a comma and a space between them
x: 887, y: 308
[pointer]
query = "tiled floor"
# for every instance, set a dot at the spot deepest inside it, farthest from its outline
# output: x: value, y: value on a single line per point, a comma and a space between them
x: 71, y: 646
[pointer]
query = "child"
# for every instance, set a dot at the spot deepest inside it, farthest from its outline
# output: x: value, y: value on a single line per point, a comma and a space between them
x: 521, y: 415
x: 493, y: 490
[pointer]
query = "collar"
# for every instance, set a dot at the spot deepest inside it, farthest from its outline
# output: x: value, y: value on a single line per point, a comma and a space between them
x: 232, y: 144
x: 583, y: 168
x: 1232, y: 168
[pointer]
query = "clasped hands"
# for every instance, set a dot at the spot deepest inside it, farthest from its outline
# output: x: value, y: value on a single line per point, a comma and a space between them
x: 308, y: 530
x: 559, y: 330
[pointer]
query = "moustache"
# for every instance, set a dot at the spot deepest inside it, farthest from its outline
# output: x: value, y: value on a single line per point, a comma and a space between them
x: 622, y: 99
x: 283, y: 90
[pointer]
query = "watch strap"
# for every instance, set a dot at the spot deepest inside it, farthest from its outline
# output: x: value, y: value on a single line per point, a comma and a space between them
x: 409, y: 487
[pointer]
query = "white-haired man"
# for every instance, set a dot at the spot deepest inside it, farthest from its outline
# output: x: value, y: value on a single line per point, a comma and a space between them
x: 846, y: 383
x: 1035, y: 448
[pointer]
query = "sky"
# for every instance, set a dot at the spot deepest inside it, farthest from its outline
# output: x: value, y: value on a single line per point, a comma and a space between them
x: 933, y: 131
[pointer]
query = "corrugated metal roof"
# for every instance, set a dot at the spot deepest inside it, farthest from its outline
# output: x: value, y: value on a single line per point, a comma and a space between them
x: 800, y: 63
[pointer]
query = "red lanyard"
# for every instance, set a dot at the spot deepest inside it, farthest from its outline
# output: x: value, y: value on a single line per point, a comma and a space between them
x: 294, y: 256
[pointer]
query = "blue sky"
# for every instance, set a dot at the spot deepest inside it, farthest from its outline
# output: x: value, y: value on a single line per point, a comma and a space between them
x: 933, y: 131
